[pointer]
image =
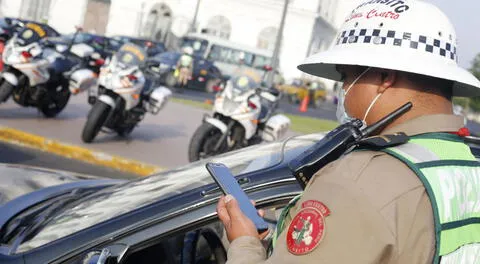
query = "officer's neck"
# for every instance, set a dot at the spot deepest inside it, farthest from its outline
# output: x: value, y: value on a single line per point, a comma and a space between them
x: 422, y: 105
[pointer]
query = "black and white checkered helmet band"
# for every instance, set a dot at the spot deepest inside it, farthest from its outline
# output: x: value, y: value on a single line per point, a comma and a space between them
x: 399, y: 39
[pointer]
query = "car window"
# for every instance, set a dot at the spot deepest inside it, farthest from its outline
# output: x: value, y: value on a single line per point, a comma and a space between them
x: 206, y: 243
x: 261, y: 61
x: 229, y: 55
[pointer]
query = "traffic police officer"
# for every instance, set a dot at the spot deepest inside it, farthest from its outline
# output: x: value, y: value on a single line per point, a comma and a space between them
x: 414, y: 203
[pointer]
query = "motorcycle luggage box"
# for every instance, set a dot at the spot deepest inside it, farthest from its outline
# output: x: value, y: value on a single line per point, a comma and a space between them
x: 275, y: 128
x: 82, y: 80
x: 157, y: 100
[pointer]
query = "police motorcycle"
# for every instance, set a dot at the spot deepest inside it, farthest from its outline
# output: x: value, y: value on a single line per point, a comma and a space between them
x: 34, y: 72
x: 243, y: 115
x: 126, y: 90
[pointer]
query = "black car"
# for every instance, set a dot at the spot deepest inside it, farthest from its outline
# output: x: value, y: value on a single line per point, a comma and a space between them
x: 103, y: 45
x: 154, y: 47
x: 205, y: 74
x: 165, y: 218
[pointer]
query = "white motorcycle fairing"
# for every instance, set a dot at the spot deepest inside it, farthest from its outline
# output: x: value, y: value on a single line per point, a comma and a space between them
x: 81, y: 80
x: 157, y: 100
x: 236, y: 107
x: 10, y: 78
x: 35, y: 68
x: 113, y: 78
x: 216, y: 123
x: 108, y: 100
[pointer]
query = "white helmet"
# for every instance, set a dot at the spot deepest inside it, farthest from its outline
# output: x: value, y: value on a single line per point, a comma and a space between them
x: 188, y: 50
x: 408, y: 35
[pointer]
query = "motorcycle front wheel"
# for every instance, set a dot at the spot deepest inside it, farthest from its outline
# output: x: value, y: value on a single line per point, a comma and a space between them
x: 6, y: 90
x: 204, y: 141
x: 96, y: 119
x: 53, y: 102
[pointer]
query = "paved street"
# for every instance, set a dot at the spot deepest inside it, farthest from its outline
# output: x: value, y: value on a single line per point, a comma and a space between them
x: 12, y: 154
x: 159, y: 140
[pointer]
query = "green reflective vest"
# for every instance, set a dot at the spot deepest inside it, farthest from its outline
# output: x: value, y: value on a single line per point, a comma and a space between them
x: 451, y: 176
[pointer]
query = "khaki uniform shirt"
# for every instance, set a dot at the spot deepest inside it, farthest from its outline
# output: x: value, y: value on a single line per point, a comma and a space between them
x: 380, y: 211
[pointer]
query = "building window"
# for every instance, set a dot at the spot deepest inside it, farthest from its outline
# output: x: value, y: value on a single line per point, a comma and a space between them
x: 218, y: 26
x: 96, y: 20
x: 158, y: 23
x: 37, y: 10
x: 267, y: 38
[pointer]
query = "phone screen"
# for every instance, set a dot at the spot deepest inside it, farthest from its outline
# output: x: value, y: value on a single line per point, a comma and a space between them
x: 229, y: 185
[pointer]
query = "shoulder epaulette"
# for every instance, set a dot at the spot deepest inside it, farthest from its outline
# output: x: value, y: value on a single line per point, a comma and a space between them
x: 383, y: 141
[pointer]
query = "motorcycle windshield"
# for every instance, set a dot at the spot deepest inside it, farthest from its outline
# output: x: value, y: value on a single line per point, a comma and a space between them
x: 130, y: 55
x: 31, y: 33
x: 242, y: 84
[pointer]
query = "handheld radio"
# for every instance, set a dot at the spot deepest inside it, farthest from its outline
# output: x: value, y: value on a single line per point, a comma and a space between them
x: 340, y: 141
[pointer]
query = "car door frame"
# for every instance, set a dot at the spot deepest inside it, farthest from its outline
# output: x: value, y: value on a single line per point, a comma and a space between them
x: 276, y: 193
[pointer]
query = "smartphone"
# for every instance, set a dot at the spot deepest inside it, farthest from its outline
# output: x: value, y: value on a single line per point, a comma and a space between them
x: 229, y: 185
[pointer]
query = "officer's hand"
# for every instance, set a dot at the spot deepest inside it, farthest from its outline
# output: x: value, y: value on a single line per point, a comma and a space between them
x: 236, y: 223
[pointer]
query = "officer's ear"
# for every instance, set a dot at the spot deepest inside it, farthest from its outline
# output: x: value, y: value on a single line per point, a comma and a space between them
x: 388, y: 79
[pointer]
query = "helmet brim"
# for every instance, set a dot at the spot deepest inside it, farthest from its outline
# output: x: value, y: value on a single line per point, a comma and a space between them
x: 324, y: 65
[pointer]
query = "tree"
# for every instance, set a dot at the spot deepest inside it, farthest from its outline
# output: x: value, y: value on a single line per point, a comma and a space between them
x: 475, y: 70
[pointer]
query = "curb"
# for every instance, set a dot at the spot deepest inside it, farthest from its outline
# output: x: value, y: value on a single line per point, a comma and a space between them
x: 21, y: 138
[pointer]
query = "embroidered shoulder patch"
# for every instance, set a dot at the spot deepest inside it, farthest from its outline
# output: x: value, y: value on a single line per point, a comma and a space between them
x: 307, y: 228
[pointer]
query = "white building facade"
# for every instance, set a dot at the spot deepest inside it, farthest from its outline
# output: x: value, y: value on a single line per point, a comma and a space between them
x: 311, y: 25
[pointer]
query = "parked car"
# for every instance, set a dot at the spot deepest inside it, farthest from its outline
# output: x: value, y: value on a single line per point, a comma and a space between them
x: 154, y: 48
x: 54, y: 217
x: 103, y: 45
x: 205, y: 75
x: 296, y: 91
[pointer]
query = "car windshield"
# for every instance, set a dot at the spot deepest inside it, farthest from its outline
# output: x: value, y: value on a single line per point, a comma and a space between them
x: 120, y: 199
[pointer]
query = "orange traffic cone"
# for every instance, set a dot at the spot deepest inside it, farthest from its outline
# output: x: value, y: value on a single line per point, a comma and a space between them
x: 304, y: 104
x: 2, y: 46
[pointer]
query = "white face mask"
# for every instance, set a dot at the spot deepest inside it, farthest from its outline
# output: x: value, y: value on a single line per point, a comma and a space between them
x: 342, y: 115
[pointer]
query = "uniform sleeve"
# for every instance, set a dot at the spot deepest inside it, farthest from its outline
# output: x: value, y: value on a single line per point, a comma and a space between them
x: 354, y: 232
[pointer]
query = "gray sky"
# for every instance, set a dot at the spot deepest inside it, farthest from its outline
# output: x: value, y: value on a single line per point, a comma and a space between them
x: 464, y: 16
